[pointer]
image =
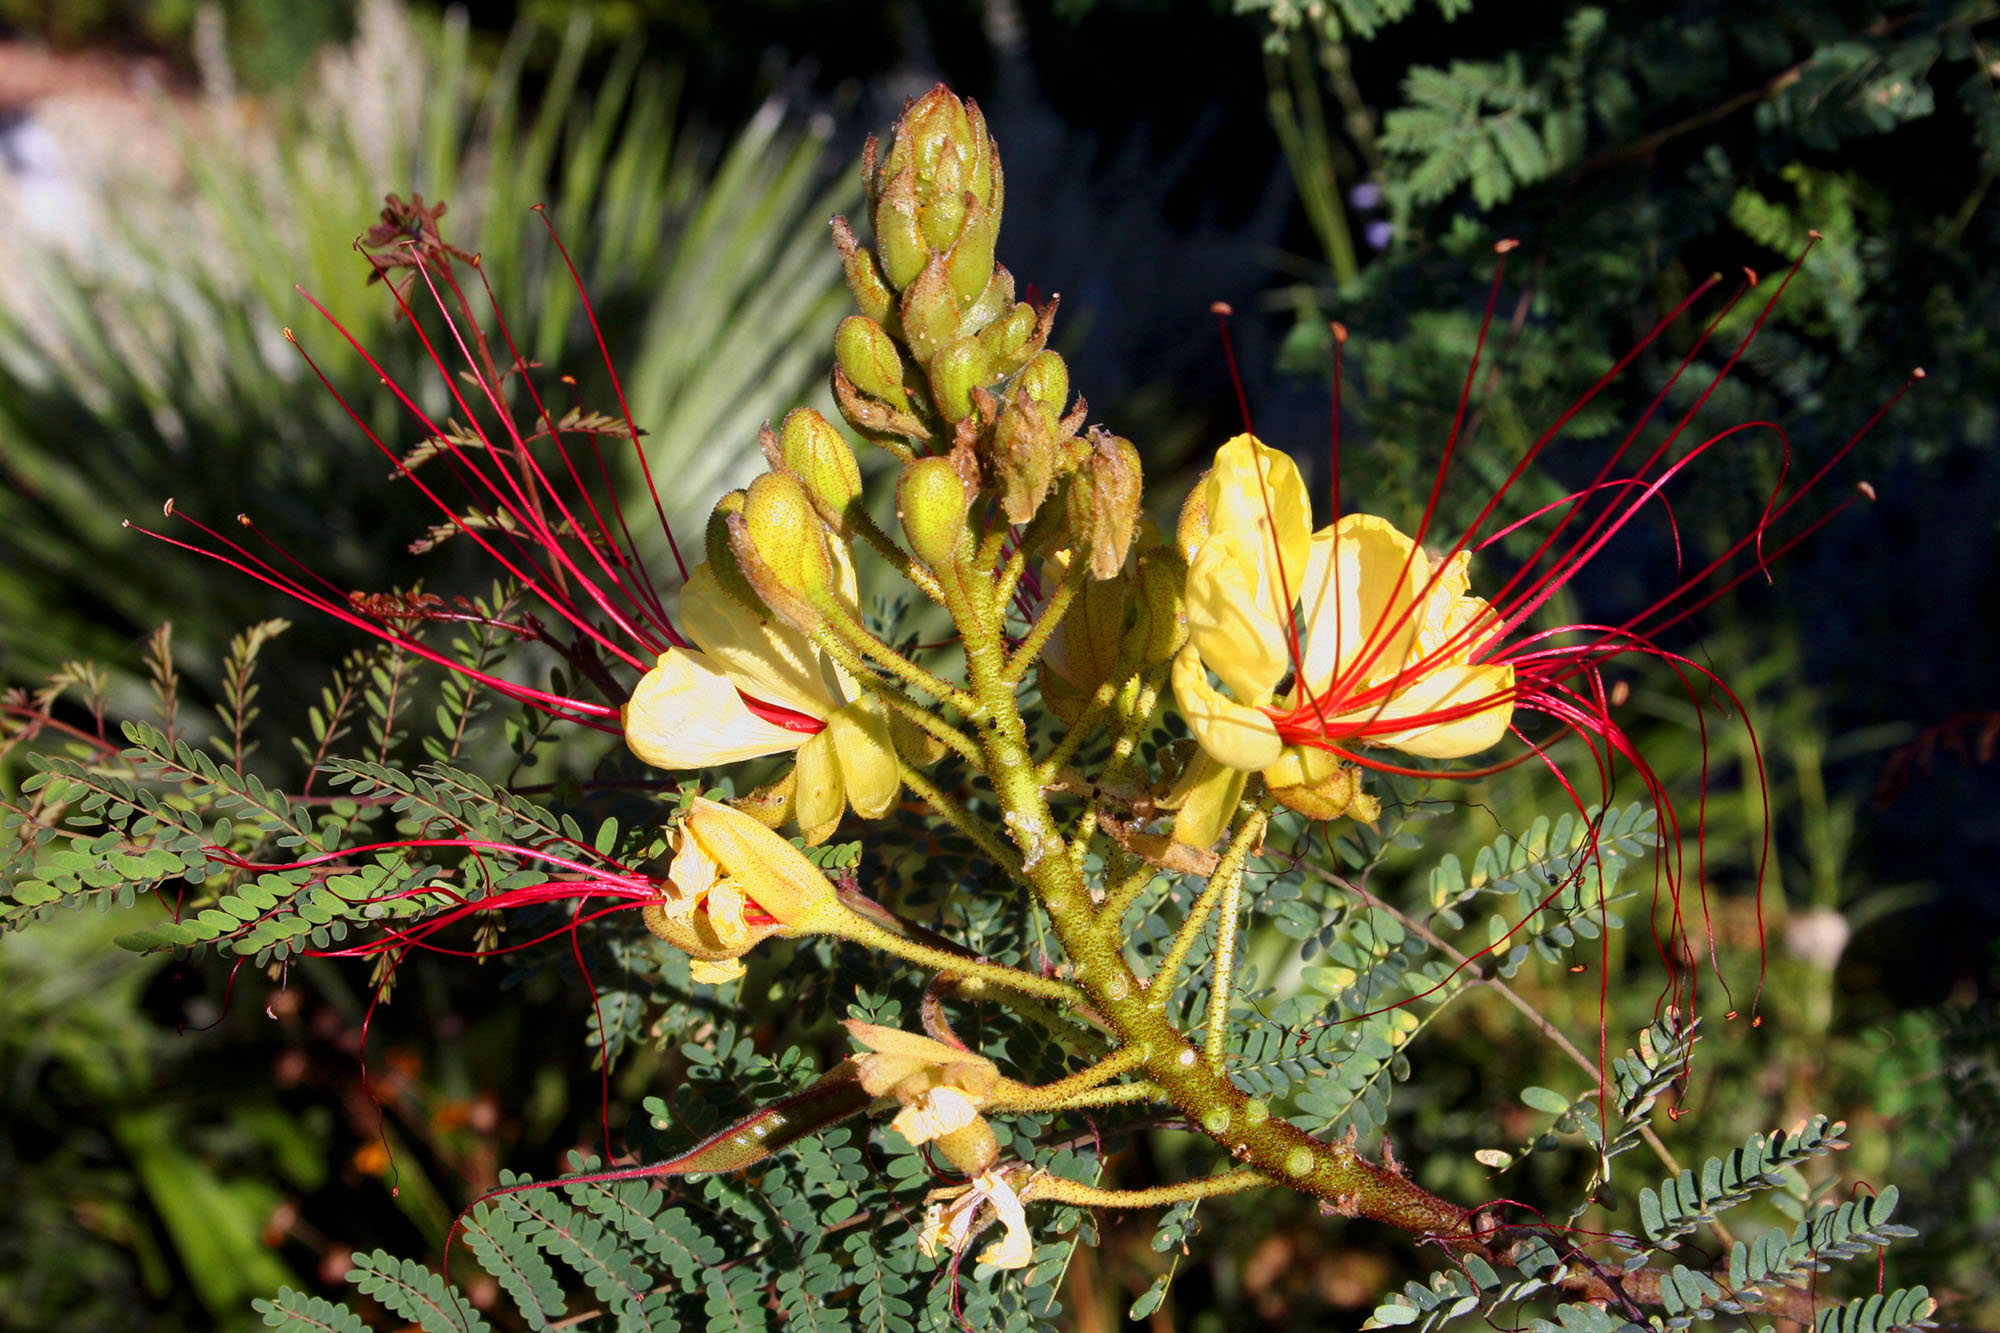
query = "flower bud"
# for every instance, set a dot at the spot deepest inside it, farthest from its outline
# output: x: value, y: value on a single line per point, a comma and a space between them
x: 722, y: 559
x: 1192, y: 530
x: 864, y: 275
x: 780, y: 544
x: 1104, y: 502
x: 899, y: 240
x: 955, y: 372
x: 1046, y: 380
x: 996, y: 300
x: 868, y: 355
x: 1160, y: 627
x: 969, y: 264
x: 820, y: 457
x: 931, y: 501
x: 930, y: 312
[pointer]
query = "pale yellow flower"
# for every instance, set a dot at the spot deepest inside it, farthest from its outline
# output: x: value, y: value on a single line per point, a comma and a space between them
x: 1337, y: 640
x: 732, y: 884
x: 953, y: 1216
x: 941, y: 1088
x: 751, y: 687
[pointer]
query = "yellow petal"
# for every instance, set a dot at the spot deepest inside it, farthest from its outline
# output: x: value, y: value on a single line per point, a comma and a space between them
x: 1015, y: 1249
x: 1238, y: 616
x: 686, y: 713
x: 936, y: 1113
x: 868, y: 766
x: 1489, y: 689
x: 715, y: 973
x: 767, y: 659
x: 1255, y: 493
x: 1207, y: 797
x: 1240, y: 737
x: 821, y: 795
x: 761, y: 865
x: 1359, y: 602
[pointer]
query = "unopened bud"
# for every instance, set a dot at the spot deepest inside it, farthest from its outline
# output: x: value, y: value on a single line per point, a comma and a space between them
x: 930, y: 311
x: 864, y: 275
x: 970, y: 263
x: 1319, y: 786
x: 1192, y: 529
x: 786, y: 536
x: 954, y: 373
x: 866, y: 352
x: 1104, y: 502
x: 899, y: 241
x: 971, y: 1148
x: 1046, y: 379
x: 820, y: 457
x: 931, y: 500
x: 996, y: 300
x: 722, y: 557
x: 1160, y: 627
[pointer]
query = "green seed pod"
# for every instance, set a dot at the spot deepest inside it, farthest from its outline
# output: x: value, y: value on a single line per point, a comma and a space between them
x: 864, y: 349
x: 931, y: 501
x: 819, y: 455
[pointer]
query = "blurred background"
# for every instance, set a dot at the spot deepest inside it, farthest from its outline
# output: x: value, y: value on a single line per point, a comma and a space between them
x: 170, y: 169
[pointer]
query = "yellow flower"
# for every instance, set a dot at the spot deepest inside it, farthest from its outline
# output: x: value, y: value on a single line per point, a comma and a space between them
x: 942, y: 1088
x: 733, y: 884
x: 1333, y: 640
x: 955, y: 1215
x: 751, y: 687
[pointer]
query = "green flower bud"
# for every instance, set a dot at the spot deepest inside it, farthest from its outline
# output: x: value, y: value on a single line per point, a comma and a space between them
x: 864, y: 275
x: 931, y: 501
x: 722, y: 558
x: 954, y: 373
x: 996, y: 300
x: 930, y: 312
x: 942, y: 215
x: 1160, y: 628
x: 1104, y: 502
x: 1046, y: 378
x: 971, y: 260
x: 786, y: 536
x: 899, y: 240
x: 1008, y: 335
x: 1192, y: 530
x: 819, y: 455
x: 1319, y: 786
x: 864, y: 349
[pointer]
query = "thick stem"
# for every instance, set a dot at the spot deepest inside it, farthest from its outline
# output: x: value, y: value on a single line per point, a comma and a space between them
x: 1333, y: 1172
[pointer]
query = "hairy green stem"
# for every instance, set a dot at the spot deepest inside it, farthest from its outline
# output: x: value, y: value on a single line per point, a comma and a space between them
x: 1333, y: 1172
x: 1227, y: 877
x: 1222, y: 985
x: 1060, y: 1189
x: 860, y: 930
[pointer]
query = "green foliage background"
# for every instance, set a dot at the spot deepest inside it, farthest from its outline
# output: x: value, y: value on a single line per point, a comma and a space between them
x: 1633, y: 149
